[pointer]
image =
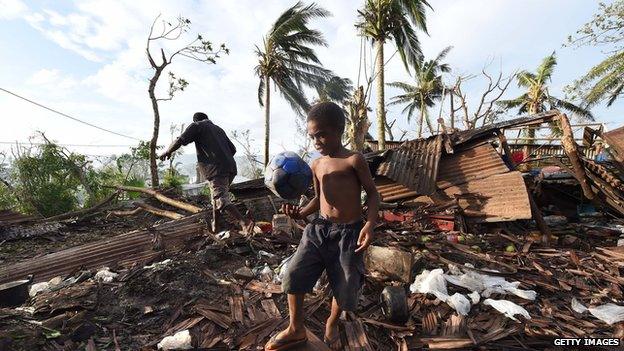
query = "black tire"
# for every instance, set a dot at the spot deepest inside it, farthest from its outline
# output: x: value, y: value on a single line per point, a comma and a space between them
x: 394, y: 304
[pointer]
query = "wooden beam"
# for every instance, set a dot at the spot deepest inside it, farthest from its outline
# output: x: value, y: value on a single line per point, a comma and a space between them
x: 162, y: 198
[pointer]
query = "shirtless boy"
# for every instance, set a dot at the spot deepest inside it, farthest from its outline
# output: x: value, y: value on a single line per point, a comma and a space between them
x: 336, y: 241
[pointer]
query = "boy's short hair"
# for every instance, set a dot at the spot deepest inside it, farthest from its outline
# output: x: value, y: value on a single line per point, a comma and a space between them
x: 199, y: 116
x: 328, y: 113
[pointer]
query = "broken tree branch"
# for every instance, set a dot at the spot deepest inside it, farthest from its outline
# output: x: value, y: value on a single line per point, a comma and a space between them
x: 158, y: 211
x: 162, y: 198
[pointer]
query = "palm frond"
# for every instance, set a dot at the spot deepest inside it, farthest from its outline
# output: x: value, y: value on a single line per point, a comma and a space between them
x: 261, y: 91
x: 583, y: 113
x: 416, y: 12
x: 546, y: 68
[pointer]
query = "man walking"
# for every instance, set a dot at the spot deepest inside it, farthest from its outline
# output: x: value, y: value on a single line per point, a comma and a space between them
x: 215, y: 161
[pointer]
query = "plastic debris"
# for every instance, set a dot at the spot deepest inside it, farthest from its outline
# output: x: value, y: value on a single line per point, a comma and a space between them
x: 223, y: 235
x: 609, y: 313
x: 179, y: 341
x: 460, y: 303
x: 487, y: 285
x: 281, y: 270
x: 38, y: 288
x: 508, y: 308
x: 105, y: 275
x: 474, y: 297
x: 159, y: 265
x: 431, y: 282
x: 577, y: 306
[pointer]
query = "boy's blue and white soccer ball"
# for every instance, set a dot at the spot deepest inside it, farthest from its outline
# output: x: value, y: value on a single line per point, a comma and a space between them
x: 287, y: 175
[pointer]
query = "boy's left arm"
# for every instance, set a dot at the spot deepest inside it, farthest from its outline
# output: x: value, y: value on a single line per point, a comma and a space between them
x: 368, y: 231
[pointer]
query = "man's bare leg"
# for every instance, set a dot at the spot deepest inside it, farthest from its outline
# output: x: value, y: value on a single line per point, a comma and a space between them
x: 296, y: 328
x: 331, y: 327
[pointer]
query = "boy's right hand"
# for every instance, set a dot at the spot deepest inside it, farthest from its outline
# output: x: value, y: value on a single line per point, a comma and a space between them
x: 292, y: 211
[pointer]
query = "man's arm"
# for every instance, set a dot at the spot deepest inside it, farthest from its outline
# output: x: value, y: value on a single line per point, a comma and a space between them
x: 366, y: 179
x: 311, y: 207
x: 185, y: 138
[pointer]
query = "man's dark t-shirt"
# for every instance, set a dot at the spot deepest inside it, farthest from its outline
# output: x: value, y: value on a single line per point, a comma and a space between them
x: 214, y: 148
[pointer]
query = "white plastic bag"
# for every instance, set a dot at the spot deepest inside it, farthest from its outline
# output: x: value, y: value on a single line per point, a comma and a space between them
x: 609, y: 313
x: 105, y: 275
x: 179, y: 341
x: 508, y: 308
x: 38, y: 287
x: 431, y: 282
x: 460, y: 303
x: 474, y: 297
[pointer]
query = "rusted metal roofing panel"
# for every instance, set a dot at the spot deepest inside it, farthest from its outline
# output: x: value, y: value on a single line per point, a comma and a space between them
x: 615, y: 139
x: 488, y: 131
x: 414, y: 165
x: 390, y: 190
x: 127, y: 248
x: 501, y: 197
x: 9, y: 217
x: 475, y: 163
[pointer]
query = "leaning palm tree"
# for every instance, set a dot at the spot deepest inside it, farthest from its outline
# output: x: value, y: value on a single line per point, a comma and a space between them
x: 381, y: 20
x: 336, y: 89
x: 603, y: 81
x: 537, y: 97
x: 428, y: 89
x: 287, y: 59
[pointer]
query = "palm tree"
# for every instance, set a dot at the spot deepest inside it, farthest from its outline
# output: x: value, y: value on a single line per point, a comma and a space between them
x: 537, y: 98
x: 428, y: 89
x: 335, y: 89
x: 287, y: 59
x: 397, y: 20
x: 607, y: 78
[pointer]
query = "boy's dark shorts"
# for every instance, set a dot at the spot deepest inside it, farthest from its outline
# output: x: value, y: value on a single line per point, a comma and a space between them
x: 331, y: 247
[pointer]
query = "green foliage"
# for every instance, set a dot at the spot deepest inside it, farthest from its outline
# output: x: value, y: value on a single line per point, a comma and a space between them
x: 287, y: 59
x: 47, y: 181
x: 8, y: 200
x: 537, y: 97
x: 605, y: 81
x: 427, y: 90
x: 173, y: 179
x: 398, y: 20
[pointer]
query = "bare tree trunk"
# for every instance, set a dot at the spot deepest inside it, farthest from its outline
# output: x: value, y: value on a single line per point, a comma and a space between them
x: 267, y: 115
x: 154, y: 140
x: 420, y: 121
x: 452, y: 111
x: 381, y: 106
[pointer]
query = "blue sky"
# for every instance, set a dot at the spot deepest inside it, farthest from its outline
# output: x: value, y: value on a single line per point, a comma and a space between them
x: 86, y: 58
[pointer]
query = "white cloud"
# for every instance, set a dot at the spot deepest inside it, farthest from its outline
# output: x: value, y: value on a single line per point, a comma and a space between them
x: 113, y: 35
x: 12, y: 9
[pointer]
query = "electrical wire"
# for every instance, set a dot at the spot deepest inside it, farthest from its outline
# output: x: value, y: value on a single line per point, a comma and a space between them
x: 67, y: 116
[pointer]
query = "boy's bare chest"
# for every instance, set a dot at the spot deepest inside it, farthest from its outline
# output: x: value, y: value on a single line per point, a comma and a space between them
x: 335, y: 170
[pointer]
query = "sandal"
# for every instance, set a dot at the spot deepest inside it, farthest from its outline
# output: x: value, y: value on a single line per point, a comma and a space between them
x: 280, y: 344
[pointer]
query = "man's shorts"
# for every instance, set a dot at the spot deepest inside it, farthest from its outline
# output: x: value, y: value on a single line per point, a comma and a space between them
x: 331, y: 247
x: 219, y: 188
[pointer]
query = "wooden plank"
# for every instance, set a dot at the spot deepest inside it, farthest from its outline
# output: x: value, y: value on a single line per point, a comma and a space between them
x: 270, y: 308
x: 236, y: 308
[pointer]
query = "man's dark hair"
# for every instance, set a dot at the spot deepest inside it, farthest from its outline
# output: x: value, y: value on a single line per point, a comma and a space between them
x: 199, y: 116
x: 329, y: 114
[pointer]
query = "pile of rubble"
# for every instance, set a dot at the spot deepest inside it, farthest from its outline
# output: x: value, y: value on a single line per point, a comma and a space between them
x: 473, y: 250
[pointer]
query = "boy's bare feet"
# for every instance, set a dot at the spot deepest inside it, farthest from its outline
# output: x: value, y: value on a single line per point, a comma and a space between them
x: 332, y: 335
x: 287, y: 338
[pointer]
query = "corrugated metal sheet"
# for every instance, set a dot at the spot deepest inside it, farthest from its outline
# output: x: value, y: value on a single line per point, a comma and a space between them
x: 488, y: 131
x: 414, y: 165
x: 390, y: 190
x: 127, y: 248
x: 615, y: 139
x: 501, y: 197
x: 475, y: 163
x: 10, y: 217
